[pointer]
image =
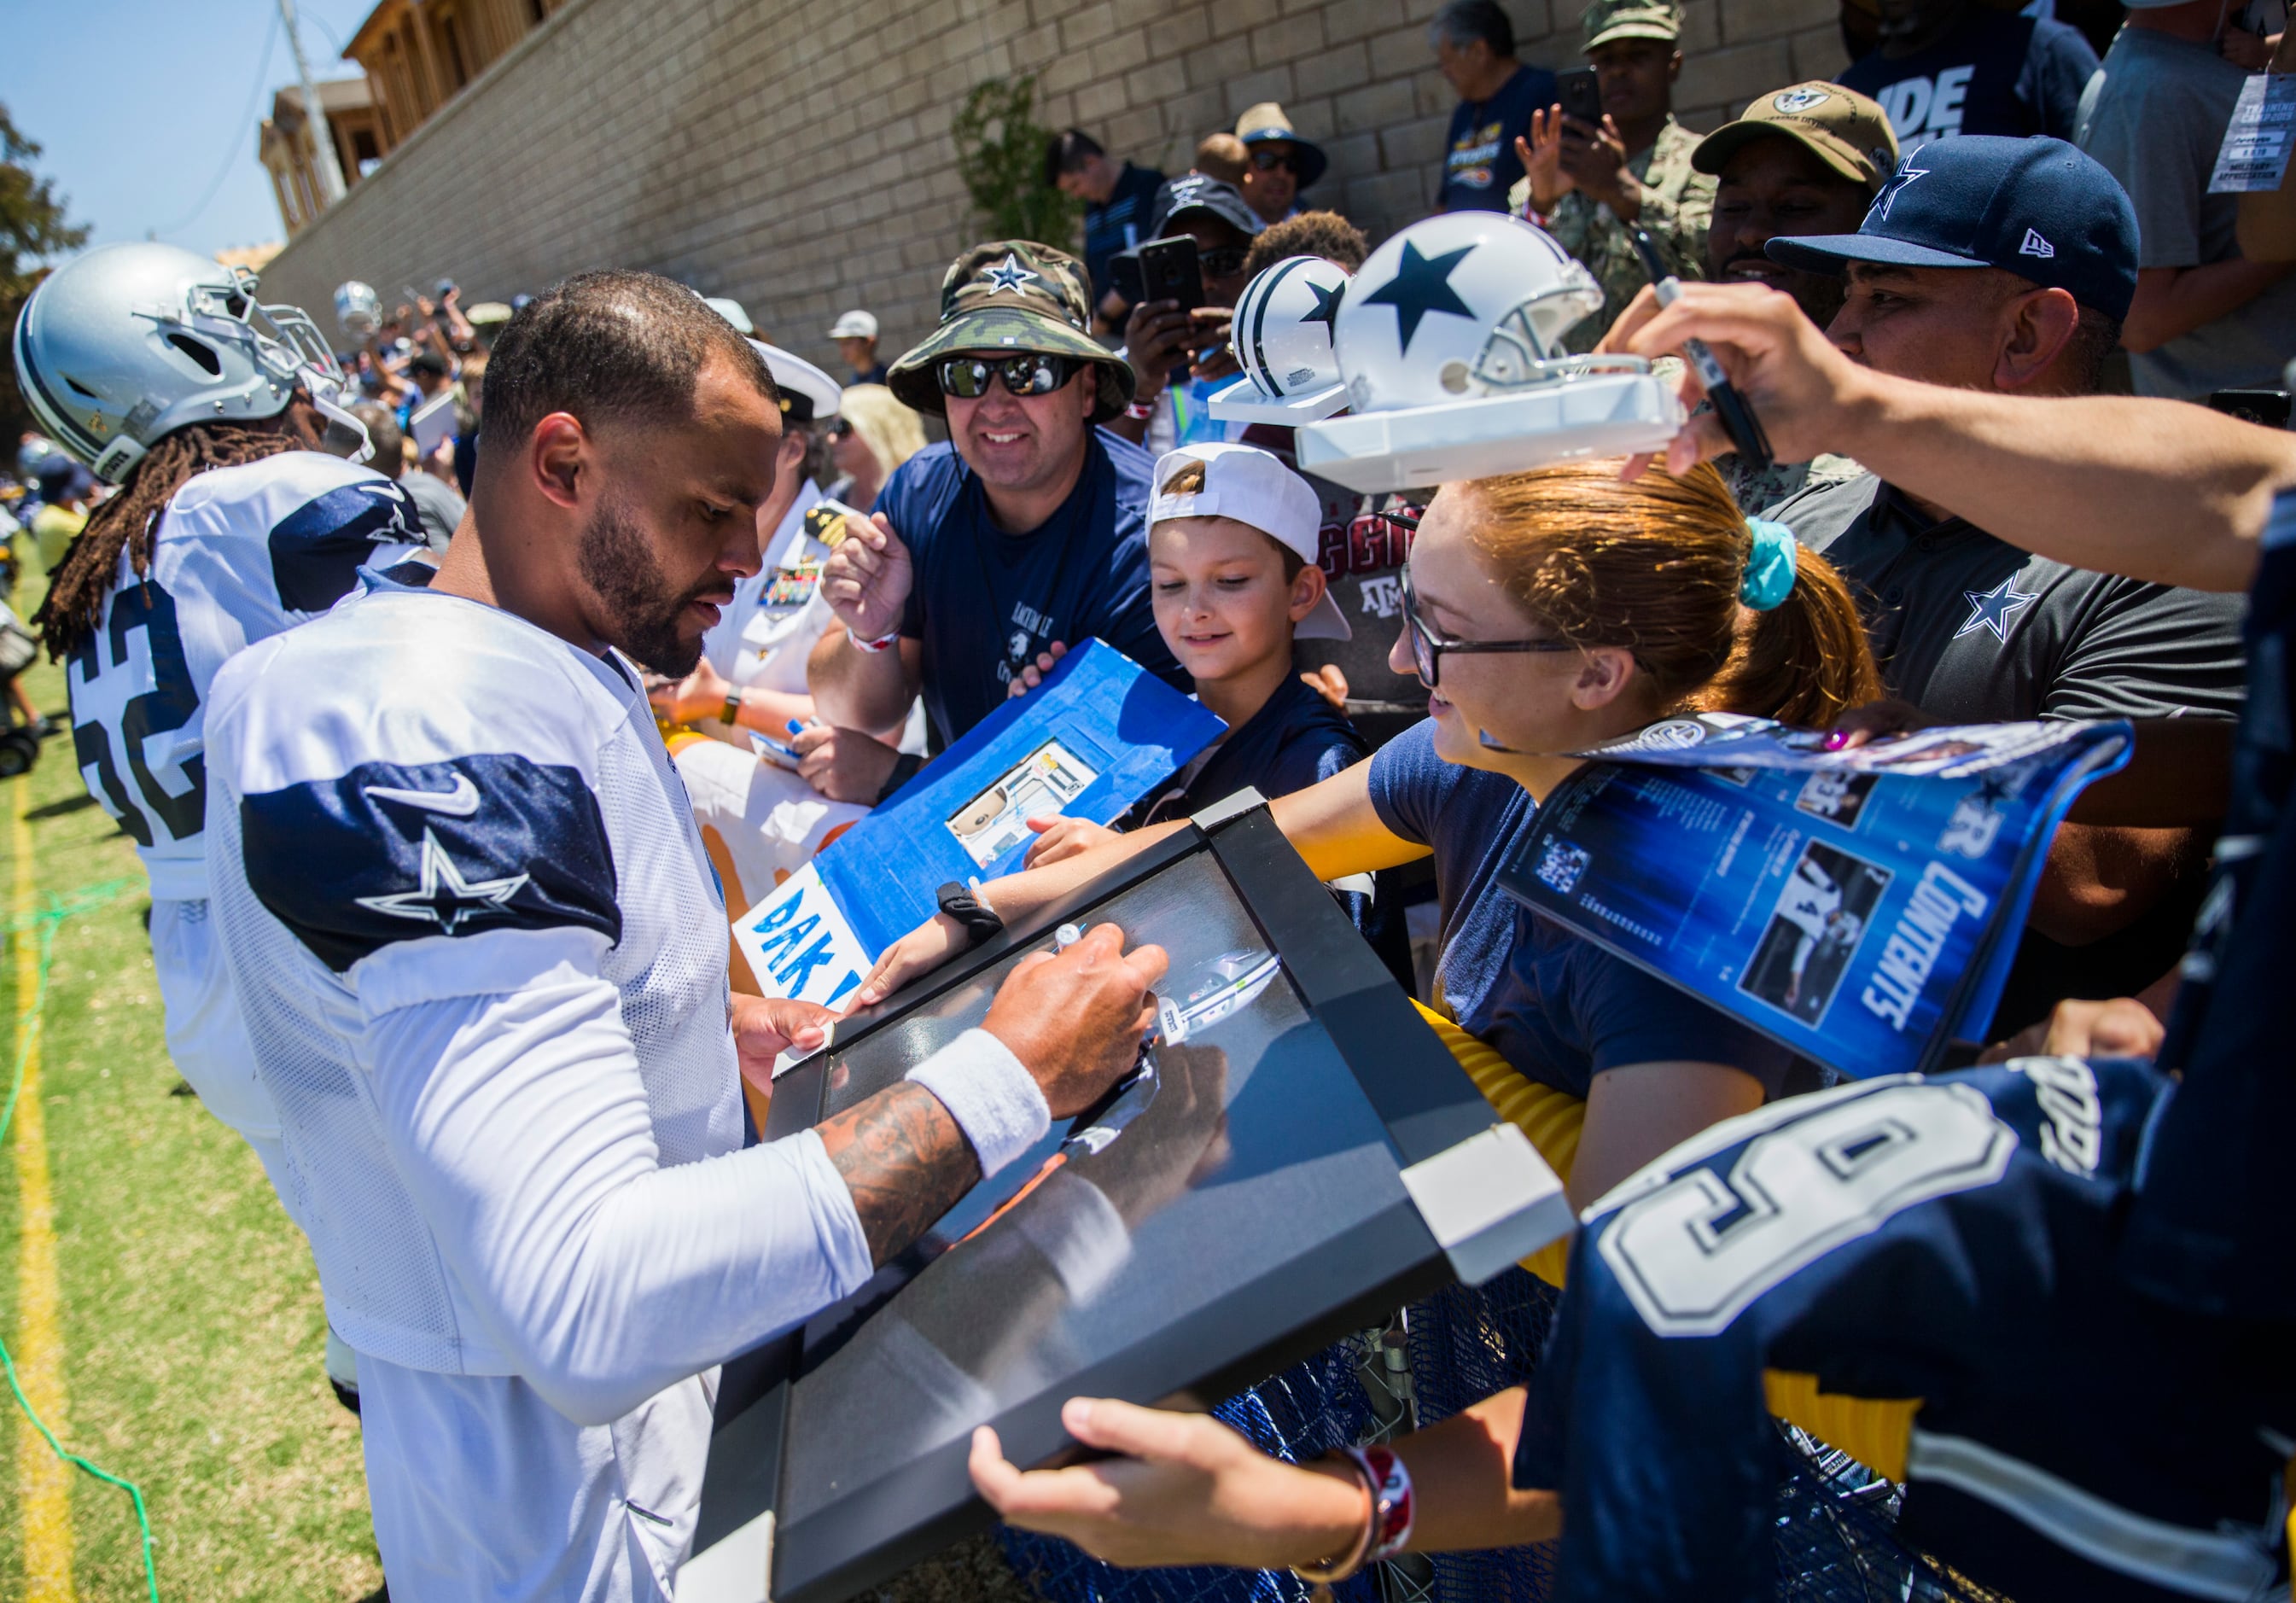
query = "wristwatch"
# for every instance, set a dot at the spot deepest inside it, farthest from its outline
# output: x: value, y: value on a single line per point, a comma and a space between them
x: 732, y: 711
x: 979, y: 918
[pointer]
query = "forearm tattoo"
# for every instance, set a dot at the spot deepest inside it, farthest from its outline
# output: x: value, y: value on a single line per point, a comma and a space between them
x: 906, y: 1162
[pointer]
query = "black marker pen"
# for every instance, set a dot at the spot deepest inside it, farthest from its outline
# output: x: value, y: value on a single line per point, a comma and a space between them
x: 1738, y: 419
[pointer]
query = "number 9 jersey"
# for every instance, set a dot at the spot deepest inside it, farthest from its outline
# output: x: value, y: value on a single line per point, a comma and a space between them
x: 1951, y: 1239
x: 241, y: 554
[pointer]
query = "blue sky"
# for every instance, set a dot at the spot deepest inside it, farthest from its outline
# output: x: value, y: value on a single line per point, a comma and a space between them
x: 141, y: 105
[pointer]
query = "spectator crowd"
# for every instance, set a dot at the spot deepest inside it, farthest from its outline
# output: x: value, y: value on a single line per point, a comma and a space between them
x: 1978, y: 205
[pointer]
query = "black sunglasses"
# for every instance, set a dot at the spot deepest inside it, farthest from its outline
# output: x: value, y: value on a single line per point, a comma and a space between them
x: 1268, y: 160
x: 1427, y: 646
x: 1226, y: 262
x: 1031, y: 373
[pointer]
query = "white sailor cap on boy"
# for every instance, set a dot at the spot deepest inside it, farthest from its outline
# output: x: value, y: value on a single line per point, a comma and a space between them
x: 1250, y: 486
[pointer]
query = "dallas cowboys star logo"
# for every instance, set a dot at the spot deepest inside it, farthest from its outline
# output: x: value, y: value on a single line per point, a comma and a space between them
x: 445, y: 898
x: 1421, y: 285
x: 1327, y: 304
x: 1995, y: 609
x: 1009, y: 273
x: 1906, y: 174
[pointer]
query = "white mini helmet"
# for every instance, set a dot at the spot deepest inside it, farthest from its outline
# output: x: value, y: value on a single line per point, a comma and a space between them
x: 357, y: 307
x: 1282, y: 326
x: 129, y: 342
x: 1468, y: 304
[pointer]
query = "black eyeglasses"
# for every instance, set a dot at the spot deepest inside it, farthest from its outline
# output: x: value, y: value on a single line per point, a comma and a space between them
x: 1268, y: 160
x: 1031, y: 373
x: 1226, y: 262
x: 1427, y: 646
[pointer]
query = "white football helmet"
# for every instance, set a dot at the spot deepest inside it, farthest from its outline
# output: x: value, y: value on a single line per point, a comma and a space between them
x: 1281, y: 336
x: 358, y: 309
x: 129, y: 342
x: 1468, y: 304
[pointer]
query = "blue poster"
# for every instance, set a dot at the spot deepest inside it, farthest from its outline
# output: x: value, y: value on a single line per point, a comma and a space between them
x: 1862, y: 907
x: 1093, y: 738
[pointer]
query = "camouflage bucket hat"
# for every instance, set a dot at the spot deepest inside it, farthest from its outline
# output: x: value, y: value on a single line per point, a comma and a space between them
x: 1608, y: 19
x: 1012, y: 295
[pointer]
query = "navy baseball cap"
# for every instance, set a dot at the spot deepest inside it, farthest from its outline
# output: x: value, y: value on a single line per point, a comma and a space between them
x: 2037, y: 207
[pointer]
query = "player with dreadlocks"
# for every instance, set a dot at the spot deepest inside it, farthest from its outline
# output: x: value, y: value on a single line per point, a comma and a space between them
x: 161, y: 370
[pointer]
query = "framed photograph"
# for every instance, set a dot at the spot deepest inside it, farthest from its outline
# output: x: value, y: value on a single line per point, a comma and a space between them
x: 1295, y: 1156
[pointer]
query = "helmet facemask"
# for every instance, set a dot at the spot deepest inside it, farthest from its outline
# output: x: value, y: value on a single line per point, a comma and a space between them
x: 1522, y: 349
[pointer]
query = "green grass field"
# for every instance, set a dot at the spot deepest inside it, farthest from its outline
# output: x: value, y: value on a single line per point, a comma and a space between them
x: 188, y: 1313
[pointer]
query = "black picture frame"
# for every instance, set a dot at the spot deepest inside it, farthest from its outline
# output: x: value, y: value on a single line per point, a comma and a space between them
x: 1475, y: 1199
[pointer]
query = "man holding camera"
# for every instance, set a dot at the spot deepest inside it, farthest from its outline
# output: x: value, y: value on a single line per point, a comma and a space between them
x: 1024, y: 533
x: 1597, y: 171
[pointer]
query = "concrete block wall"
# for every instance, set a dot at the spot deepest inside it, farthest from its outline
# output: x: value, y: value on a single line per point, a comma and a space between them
x: 798, y: 157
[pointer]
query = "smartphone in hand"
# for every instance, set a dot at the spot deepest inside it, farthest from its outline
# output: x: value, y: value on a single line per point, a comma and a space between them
x: 1579, y: 95
x: 1169, y: 271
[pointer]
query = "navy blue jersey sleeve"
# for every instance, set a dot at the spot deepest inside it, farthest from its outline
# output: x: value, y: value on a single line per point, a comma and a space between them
x: 391, y: 853
x: 1629, y: 1016
x: 318, y: 550
x: 2058, y: 66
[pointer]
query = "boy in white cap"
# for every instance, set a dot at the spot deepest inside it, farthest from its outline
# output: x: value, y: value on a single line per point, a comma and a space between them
x: 855, y: 333
x: 1231, y: 541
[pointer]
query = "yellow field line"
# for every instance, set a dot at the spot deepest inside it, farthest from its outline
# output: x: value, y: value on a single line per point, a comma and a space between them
x: 42, y: 1481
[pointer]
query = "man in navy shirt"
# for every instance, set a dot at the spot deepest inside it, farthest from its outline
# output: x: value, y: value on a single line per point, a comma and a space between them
x: 1025, y: 531
x: 1958, y: 67
x: 1117, y: 197
x: 1474, y: 46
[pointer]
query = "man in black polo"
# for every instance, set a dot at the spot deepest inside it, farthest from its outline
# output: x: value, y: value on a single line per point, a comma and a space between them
x: 2006, y: 265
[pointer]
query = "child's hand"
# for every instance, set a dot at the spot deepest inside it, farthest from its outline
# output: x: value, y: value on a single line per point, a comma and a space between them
x: 1059, y: 839
x: 1032, y: 674
x: 1329, y: 682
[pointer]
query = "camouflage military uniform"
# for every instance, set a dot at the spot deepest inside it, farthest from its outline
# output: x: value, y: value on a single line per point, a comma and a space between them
x: 1676, y: 202
x: 1757, y: 489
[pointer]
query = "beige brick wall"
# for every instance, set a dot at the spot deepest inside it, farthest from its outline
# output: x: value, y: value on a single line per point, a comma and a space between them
x: 798, y: 157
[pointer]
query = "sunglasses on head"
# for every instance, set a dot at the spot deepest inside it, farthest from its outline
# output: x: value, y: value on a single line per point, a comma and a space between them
x: 1270, y: 161
x: 1031, y: 373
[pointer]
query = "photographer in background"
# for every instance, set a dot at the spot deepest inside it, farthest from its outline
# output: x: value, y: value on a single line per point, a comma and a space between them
x: 1588, y: 185
x: 1179, y: 358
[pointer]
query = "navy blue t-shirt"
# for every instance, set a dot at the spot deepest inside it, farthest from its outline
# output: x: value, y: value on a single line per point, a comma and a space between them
x: 1480, y: 165
x: 986, y: 602
x: 1560, y: 1009
x: 1120, y: 225
x: 1295, y: 740
x: 1995, y: 73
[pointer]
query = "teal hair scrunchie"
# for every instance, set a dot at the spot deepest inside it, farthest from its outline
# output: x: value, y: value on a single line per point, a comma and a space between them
x: 1769, y: 566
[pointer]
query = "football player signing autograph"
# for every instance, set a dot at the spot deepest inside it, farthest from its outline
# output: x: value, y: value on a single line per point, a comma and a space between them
x: 482, y: 961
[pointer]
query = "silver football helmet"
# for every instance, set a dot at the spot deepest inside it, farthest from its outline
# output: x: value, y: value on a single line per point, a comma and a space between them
x: 357, y: 307
x: 129, y: 342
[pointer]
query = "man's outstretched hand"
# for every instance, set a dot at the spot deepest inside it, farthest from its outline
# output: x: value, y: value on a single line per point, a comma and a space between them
x: 1782, y: 362
x: 1076, y: 1021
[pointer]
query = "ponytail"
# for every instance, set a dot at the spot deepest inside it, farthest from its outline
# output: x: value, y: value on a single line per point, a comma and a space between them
x: 1659, y: 565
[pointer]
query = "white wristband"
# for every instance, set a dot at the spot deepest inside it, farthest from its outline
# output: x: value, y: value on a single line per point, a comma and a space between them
x: 885, y: 642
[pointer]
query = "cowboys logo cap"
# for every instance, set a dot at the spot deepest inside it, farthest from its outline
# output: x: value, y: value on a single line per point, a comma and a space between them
x: 2037, y: 208
x: 1843, y: 128
x: 1008, y: 296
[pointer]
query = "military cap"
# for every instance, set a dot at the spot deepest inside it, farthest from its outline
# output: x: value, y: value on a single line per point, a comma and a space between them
x: 1608, y: 19
x: 1012, y: 294
x: 1842, y: 127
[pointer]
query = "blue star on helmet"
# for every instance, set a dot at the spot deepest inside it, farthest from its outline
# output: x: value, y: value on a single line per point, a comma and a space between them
x: 1327, y: 304
x: 444, y: 896
x: 1896, y: 185
x: 1009, y: 273
x: 1995, y: 609
x: 1421, y: 285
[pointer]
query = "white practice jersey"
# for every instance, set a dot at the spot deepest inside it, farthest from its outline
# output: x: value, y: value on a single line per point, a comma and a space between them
x: 241, y: 554
x: 481, y: 958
